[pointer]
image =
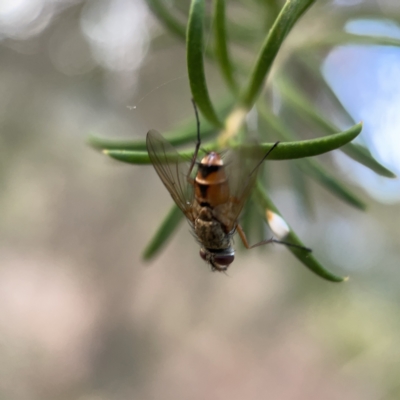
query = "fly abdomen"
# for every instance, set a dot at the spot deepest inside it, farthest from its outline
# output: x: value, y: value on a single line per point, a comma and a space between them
x: 211, y: 185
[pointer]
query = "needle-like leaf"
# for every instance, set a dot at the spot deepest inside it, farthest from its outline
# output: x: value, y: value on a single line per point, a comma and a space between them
x: 303, y: 105
x: 265, y: 203
x: 285, y: 150
x: 350, y: 39
x: 183, y: 134
x: 326, y: 179
x: 164, y: 232
x: 221, y: 46
x: 168, y: 19
x: 311, y: 167
x: 195, y: 63
x: 291, y: 12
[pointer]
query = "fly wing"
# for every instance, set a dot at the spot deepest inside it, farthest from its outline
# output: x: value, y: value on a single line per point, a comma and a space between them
x: 172, y: 170
x: 241, y: 168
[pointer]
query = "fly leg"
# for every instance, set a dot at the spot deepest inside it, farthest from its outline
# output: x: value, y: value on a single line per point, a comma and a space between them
x: 198, y: 143
x: 265, y: 156
x: 266, y: 241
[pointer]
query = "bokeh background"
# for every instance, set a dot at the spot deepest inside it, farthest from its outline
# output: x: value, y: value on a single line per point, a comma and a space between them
x: 83, y: 317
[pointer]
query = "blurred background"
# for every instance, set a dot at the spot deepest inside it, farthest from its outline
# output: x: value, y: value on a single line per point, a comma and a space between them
x: 83, y: 317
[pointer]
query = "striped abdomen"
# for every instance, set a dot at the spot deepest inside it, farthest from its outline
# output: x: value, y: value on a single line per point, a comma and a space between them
x: 211, y: 184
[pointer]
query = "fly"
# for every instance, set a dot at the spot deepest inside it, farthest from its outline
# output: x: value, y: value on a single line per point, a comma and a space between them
x: 213, y: 199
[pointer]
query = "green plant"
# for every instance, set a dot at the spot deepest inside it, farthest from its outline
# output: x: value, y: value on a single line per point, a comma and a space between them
x: 246, y: 84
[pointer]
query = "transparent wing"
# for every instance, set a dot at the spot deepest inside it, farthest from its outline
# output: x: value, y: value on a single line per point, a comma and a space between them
x: 172, y: 170
x: 241, y: 168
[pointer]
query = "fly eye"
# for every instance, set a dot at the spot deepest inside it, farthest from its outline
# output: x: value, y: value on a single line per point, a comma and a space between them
x: 203, y: 254
x: 224, y: 260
